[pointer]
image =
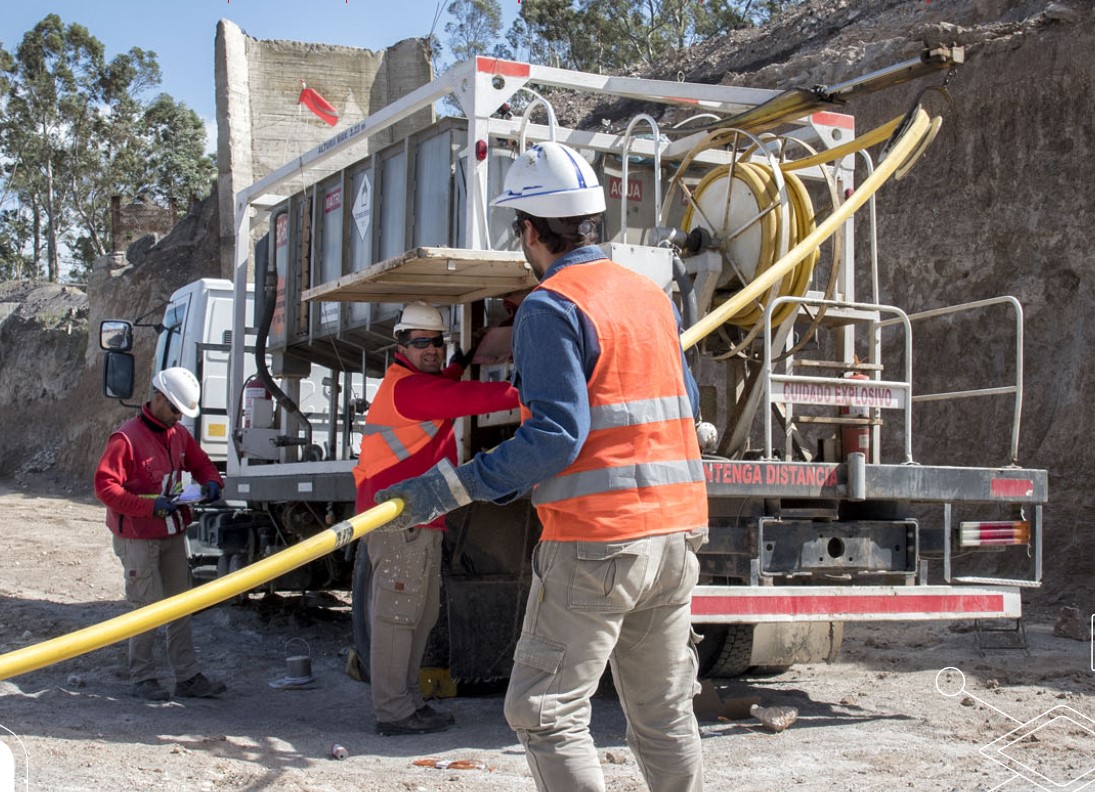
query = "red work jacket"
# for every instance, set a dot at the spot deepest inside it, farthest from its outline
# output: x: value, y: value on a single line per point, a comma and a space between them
x: 144, y: 459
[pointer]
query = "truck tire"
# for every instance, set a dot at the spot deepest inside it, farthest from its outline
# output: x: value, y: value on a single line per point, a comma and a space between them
x: 778, y: 646
x: 726, y: 650
x: 359, y: 607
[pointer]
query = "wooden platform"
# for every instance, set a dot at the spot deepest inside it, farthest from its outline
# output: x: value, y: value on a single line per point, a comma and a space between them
x: 433, y: 274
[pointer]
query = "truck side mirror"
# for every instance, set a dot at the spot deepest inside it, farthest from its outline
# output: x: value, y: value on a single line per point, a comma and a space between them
x: 118, y: 375
x: 115, y: 335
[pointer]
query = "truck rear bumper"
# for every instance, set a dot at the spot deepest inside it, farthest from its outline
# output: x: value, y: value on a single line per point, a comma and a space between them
x: 752, y: 605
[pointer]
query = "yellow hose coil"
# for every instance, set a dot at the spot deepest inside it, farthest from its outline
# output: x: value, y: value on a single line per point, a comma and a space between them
x: 31, y: 658
x: 905, y: 146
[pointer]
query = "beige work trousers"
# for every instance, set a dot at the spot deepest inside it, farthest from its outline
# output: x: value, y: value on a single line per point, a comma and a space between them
x: 156, y: 569
x: 404, y: 602
x: 622, y: 603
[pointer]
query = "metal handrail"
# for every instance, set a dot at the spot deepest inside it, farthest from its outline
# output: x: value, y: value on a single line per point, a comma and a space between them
x: 537, y: 101
x: 1017, y: 388
x: 657, y: 171
x: 906, y: 385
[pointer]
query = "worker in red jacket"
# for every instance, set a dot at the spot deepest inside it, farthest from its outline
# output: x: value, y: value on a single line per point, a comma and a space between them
x: 409, y: 429
x: 138, y: 478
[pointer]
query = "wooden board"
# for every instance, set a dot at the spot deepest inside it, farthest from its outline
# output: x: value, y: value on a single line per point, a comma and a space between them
x: 433, y: 274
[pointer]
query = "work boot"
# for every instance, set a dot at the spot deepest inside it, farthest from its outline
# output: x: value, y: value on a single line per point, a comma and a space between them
x: 428, y: 711
x: 150, y: 690
x: 198, y: 686
x: 418, y: 722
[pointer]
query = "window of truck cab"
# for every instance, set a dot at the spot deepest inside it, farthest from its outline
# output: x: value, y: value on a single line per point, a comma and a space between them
x: 169, y: 346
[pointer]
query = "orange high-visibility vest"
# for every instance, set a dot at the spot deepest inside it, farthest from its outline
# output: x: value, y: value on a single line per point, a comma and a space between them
x: 390, y: 437
x: 639, y: 472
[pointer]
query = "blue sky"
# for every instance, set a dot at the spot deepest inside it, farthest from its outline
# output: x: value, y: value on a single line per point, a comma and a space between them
x: 181, y: 32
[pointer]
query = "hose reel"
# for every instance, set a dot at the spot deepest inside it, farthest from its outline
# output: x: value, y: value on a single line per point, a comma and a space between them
x: 754, y: 213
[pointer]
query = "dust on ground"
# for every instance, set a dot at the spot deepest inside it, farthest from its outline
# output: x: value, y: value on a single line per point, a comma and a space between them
x: 881, y: 718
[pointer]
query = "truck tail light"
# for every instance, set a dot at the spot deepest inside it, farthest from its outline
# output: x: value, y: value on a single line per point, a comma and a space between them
x: 1004, y: 532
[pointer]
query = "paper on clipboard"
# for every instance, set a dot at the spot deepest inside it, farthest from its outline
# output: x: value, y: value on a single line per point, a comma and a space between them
x: 192, y: 493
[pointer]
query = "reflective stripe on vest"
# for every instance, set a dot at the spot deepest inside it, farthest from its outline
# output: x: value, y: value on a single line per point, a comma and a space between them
x: 669, y: 408
x: 593, y: 482
x: 387, y: 433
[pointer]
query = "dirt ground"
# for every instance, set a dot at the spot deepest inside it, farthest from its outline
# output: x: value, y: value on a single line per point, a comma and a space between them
x: 882, y: 718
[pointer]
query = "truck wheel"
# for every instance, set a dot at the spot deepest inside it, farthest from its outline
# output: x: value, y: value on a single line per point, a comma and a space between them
x: 778, y: 646
x: 726, y: 650
x: 359, y: 607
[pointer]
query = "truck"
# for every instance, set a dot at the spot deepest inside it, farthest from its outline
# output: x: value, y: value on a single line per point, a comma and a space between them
x: 740, y: 203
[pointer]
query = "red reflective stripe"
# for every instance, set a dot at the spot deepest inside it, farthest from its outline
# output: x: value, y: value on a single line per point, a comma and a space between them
x: 503, y: 67
x: 1012, y: 488
x: 842, y: 604
x: 833, y: 120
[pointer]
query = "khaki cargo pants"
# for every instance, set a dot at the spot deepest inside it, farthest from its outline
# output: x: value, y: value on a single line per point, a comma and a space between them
x: 156, y: 569
x: 405, y: 600
x: 626, y: 604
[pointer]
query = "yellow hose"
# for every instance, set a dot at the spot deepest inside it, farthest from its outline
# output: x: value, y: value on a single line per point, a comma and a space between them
x: 31, y: 658
x: 900, y: 152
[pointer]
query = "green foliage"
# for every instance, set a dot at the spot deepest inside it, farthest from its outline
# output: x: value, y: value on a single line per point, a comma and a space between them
x: 473, y: 28
x: 76, y: 131
x: 601, y: 35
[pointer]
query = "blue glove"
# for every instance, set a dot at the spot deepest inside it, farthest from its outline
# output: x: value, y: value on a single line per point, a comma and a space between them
x: 163, y: 507
x: 211, y: 491
x: 425, y: 498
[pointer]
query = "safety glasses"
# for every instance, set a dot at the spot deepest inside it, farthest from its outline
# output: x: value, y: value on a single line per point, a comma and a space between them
x: 426, y: 343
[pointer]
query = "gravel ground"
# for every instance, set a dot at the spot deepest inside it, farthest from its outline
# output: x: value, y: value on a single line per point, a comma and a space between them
x: 886, y: 716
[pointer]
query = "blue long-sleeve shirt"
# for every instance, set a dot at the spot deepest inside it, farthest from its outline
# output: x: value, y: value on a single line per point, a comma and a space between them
x: 555, y: 350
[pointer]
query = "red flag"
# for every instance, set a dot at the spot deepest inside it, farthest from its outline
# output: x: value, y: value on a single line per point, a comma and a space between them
x: 317, y: 104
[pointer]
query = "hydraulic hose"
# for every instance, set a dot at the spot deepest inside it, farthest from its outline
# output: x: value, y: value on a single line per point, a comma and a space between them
x: 261, y: 369
x: 31, y: 658
x: 918, y: 127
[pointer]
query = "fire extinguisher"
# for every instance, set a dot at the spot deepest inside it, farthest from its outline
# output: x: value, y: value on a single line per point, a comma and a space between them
x: 856, y: 438
x: 254, y: 394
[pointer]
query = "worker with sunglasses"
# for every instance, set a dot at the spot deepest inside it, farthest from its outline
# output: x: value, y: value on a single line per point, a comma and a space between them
x: 408, y: 430
x: 138, y: 480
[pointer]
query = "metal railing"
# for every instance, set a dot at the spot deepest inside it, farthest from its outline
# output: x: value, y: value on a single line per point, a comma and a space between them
x: 871, y: 311
x: 1016, y: 389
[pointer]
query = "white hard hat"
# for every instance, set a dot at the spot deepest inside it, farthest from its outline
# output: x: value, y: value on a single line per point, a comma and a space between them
x: 420, y: 316
x: 551, y: 180
x: 181, y: 388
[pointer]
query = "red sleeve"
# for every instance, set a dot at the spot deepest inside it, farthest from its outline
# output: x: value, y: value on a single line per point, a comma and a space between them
x: 428, y: 398
x: 113, y: 471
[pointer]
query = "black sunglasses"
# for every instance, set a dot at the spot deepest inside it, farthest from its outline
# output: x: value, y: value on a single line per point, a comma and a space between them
x: 426, y: 343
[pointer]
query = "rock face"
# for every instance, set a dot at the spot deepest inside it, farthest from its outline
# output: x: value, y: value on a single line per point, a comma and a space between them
x: 53, y: 414
x: 998, y: 205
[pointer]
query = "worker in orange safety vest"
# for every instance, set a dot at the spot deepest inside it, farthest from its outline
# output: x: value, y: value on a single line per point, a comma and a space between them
x: 409, y: 429
x: 608, y: 450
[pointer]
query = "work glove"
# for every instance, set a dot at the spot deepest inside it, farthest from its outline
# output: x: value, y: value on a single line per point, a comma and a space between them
x: 164, y: 506
x: 461, y: 358
x: 426, y: 497
x: 211, y: 491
